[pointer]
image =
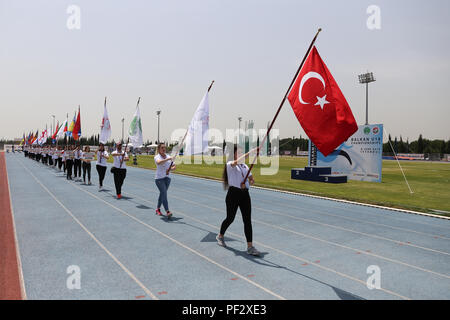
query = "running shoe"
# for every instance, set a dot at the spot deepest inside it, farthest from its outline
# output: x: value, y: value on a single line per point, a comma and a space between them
x: 119, y: 196
x: 252, y: 251
x: 158, y: 212
x: 220, y: 241
x: 169, y: 214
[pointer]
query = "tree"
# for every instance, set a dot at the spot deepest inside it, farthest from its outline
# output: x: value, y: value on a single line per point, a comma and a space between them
x: 420, y: 144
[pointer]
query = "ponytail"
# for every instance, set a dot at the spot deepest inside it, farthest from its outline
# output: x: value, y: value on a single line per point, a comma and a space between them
x: 225, y: 177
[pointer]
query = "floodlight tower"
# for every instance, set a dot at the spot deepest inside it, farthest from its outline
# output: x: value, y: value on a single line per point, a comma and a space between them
x: 366, y: 78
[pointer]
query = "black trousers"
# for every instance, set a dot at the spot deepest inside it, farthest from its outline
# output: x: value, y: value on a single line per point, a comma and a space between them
x: 77, y: 167
x: 60, y: 163
x: 69, y: 165
x: 238, y: 198
x: 86, y: 168
x: 50, y: 161
x: 119, y: 176
x: 101, y: 174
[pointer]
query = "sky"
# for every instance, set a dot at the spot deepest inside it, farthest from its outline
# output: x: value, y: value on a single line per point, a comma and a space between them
x: 168, y: 52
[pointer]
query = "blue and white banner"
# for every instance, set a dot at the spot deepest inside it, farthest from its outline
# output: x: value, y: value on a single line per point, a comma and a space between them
x: 359, y: 157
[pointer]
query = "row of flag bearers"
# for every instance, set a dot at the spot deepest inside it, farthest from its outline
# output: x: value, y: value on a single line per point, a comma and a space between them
x: 75, y: 162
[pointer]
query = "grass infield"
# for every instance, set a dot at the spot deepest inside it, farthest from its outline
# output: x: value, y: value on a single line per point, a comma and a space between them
x: 430, y: 182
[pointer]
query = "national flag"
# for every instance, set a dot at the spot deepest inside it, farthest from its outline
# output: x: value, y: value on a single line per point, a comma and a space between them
x: 56, y: 131
x: 198, y: 131
x: 76, y: 132
x: 135, y: 131
x: 72, y: 125
x: 105, y: 131
x: 320, y: 106
x: 35, y: 137
x: 62, y: 130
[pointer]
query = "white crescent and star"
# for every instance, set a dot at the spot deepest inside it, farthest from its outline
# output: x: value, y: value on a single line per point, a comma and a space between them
x: 310, y: 75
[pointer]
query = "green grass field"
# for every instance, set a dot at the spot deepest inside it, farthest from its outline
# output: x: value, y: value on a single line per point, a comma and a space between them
x: 430, y: 183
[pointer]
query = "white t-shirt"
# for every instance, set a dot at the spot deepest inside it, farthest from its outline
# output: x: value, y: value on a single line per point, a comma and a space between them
x: 118, y: 159
x: 162, y: 168
x: 237, y: 174
x: 101, y: 160
x: 77, y: 154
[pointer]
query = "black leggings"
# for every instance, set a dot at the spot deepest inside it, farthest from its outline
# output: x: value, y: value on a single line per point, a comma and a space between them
x: 86, y: 168
x: 69, y: 164
x: 238, y: 198
x: 119, y: 176
x: 77, y: 168
x: 101, y: 174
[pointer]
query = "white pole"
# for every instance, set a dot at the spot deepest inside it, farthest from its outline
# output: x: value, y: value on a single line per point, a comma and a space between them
x: 395, y: 155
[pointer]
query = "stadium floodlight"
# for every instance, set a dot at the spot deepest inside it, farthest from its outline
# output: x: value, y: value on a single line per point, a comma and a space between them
x: 366, y: 78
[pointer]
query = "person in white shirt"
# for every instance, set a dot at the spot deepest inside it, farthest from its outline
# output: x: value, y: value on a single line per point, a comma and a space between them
x: 238, y: 197
x: 102, y: 156
x: 163, y: 165
x: 60, y: 153
x: 86, y: 164
x: 69, y: 161
x: 77, y: 163
x: 119, y: 168
x: 55, y: 156
x: 50, y: 156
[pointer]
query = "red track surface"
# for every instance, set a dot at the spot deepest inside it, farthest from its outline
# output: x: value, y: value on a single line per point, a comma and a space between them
x: 9, y: 269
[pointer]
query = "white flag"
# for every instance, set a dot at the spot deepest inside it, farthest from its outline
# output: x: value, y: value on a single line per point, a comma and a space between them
x: 105, y: 132
x: 135, y: 131
x: 197, y: 135
x: 60, y: 133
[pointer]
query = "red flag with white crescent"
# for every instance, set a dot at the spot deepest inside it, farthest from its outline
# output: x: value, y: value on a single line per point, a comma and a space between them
x: 320, y: 106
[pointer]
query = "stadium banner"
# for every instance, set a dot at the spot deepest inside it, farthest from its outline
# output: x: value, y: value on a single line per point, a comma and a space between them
x: 359, y: 157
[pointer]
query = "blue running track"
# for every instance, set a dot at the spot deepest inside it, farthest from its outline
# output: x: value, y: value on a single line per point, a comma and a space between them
x: 311, y: 248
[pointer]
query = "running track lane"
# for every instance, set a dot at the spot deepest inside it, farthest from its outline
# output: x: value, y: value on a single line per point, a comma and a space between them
x: 10, y: 288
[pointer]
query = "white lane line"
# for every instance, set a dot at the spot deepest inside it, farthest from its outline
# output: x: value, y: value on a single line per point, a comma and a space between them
x: 273, y: 212
x: 280, y: 251
x: 121, y: 265
x: 187, y: 177
x: 317, y: 239
x: 358, y: 220
x: 333, y: 199
x: 264, y: 245
x: 19, y: 260
x: 182, y: 245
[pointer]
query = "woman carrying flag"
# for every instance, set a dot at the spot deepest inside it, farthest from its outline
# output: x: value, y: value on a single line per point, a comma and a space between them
x: 119, y: 168
x: 163, y: 164
x: 77, y: 163
x: 238, y: 197
x: 86, y: 164
x: 102, y: 156
x: 60, y: 153
x: 69, y: 161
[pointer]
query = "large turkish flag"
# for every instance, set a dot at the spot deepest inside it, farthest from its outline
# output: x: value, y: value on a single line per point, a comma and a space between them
x: 320, y: 106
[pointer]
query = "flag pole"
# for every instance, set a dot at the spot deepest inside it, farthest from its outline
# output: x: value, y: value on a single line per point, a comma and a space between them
x: 281, y: 105
x: 182, y: 140
x: 128, y: 140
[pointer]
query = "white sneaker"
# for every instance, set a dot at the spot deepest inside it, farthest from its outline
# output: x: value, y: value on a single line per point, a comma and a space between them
x: 220, y: 241
x: 252, y: 251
